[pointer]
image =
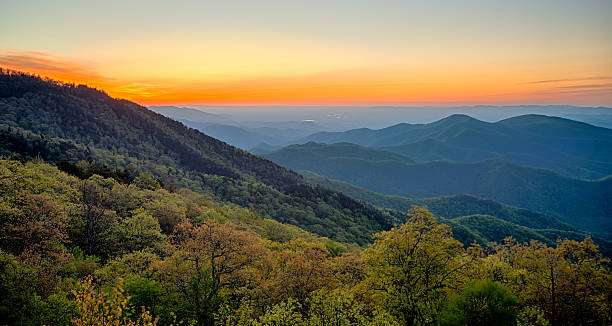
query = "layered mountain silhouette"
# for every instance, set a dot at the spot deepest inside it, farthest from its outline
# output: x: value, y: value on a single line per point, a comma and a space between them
x: 583, y: 203
x: 565, y: 146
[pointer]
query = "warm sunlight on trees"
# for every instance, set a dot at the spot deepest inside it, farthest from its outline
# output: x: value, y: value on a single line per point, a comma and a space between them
x: 411, y: 268
x: 106, y: 309
x: 207, y: 259
x: 226, y: 265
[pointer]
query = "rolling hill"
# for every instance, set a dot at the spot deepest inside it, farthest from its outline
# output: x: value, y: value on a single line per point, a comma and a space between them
x: 64, y: 122
x: 585, y: 204
x: 473, y: 218
x: 328, y: 154
x: 565, y: 146
x: 447, y: 206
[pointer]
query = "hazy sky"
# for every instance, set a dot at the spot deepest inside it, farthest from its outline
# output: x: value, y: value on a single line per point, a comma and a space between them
x: 319, y: 52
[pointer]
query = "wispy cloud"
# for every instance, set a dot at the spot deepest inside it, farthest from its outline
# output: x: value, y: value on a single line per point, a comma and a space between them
x: 41, y: 61
x: 588, y: 86
x: 78, y: 71
x: 338, y: 87
x: 564, y: 80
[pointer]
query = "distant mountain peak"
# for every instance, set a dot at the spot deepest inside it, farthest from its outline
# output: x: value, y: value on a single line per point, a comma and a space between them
x: 539, y: 118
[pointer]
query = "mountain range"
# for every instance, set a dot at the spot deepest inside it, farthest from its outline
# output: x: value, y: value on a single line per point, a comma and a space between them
x: 573, y: 148
x: 64, y: 124
x: 584, y: 203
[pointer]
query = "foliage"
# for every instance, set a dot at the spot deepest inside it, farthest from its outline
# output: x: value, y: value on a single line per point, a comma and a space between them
x: 192, y: 260
x: 104, y: 309
x: 481, y: 303
x: 570, y: 283
x: 410, y: 268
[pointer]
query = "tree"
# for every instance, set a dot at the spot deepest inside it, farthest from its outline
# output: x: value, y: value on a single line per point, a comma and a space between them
x: 482, y: 303
x: 39, y: 226
x: 410, y: 268
x: 167, y: 212
x: 141, y: 231
x: 103, y: 309
x: 18, y: 299
x: 96, y: 218
x: 138, y: 263
x: 570, y: 284
x: 286, y: 313
x: 37, y: 235
x: 207, y: 259
x: 143, y: 293
x: 335, y: 308
x: 302, y: 272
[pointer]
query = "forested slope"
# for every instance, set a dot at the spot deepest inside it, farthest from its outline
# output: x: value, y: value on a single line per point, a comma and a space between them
x: 98, y: 250
x: 67, y: 122
x: 582, y: 203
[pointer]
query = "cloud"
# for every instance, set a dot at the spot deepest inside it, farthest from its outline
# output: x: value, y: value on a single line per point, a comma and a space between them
x: 45, y: 62
x: 591, y: 86
x: 568, y: 80
x: 78, y: 71
x: 599, y: 90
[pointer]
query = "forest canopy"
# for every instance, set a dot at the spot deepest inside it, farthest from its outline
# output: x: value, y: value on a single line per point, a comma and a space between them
x: 98, y: 250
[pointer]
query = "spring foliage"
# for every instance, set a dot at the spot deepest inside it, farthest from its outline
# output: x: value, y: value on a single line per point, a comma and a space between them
x: 106, y: 251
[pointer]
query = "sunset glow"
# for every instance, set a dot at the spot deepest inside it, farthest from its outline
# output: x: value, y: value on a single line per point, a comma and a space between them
x: 393, y: 53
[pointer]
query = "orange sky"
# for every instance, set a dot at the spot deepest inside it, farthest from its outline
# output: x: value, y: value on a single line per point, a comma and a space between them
x: 388, y: 85
x: 392, y: 53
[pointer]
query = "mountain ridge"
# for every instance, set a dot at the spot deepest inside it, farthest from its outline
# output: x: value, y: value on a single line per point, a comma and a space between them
x: 40, y: 116
x: 583, y: 203
x: 579, y: 151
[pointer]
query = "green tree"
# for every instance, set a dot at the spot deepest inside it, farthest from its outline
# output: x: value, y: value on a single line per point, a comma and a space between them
x: 410, y: 268
x: 143, y: 293
x: 97, y: 219
x: 141, y: 231
x: 103, y: 309
x: 571, y: 283
x: 286, y: 313
x: 18, y: 298
x: 482, y: 303
x: 335, y: 308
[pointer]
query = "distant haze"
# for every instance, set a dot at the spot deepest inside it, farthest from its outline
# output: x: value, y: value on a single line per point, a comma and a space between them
x: 349, y: 117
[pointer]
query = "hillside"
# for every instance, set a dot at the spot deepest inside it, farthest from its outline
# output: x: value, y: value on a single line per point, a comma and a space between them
x: 584, y: 204
x: 67, y: 122
x: 472, y: 218
x: 330, y: 154
x: 568, y: 147
x: 72, y: 248
x: 446, y: 206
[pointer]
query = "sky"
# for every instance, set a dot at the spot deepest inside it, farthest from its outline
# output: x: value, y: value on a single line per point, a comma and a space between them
x: 384, y: 52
